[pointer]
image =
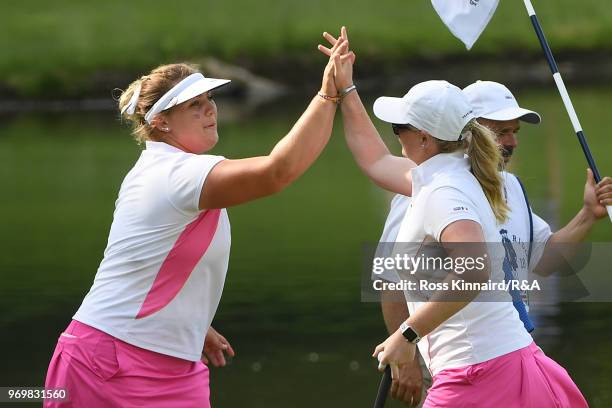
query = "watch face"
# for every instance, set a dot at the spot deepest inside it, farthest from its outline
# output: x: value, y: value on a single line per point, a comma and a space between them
x: 409, y: 333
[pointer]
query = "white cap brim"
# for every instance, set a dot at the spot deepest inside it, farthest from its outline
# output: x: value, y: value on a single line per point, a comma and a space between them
x: 514, y: 113
x: 392, y: 110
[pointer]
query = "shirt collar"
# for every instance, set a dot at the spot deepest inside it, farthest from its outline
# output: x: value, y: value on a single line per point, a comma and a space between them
x: 161, y: 147
x: 425, y: 172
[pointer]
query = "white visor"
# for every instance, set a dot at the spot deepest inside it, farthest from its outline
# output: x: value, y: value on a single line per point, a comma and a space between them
x: 190, y: 87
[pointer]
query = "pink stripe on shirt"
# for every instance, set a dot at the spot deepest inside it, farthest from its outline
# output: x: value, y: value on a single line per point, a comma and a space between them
x: 187, y: 251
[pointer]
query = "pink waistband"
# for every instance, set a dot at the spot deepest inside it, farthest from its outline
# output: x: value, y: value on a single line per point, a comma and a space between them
x: 91, y: 338
x: 99, y: 370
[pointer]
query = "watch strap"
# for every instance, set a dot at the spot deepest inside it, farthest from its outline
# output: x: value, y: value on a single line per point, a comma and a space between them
x: 409, y: 333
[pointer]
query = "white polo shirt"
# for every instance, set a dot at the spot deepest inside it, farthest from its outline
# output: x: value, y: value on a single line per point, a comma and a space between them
x: 515, y: 229
x: 160, y: 282
x: 445, y: 191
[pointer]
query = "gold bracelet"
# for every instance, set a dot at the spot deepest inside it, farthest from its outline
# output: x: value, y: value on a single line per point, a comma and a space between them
x: 335, y: 99
x: 338, y: 98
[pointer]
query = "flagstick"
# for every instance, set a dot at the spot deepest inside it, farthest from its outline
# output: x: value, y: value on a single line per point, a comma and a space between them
x: 564, y: 95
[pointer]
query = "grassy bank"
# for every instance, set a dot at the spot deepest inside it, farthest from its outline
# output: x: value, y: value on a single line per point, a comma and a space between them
x: 65, y: 48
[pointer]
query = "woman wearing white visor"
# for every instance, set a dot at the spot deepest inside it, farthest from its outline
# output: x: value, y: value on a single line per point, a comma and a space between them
x: 141, y: 332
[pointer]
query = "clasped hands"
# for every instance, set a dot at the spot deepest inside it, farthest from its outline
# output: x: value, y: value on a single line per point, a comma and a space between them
x: 338, y: 74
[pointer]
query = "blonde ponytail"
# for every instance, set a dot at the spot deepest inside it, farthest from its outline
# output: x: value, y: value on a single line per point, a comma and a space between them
x: 140, y: 129
x: 485, y: 160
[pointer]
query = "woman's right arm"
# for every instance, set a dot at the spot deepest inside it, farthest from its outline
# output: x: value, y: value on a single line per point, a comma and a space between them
x: 370, y: 152
x: 233, y: 182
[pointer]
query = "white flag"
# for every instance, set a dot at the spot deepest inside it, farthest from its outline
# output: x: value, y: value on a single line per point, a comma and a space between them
x: 466, y: 19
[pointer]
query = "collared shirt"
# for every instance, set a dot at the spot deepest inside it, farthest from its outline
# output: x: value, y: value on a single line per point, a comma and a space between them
x: 445, y: 191
x: 516, y: 228
x: 160, y: 282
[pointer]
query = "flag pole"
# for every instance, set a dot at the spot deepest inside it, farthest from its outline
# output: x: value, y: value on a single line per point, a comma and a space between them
x: 564, y: 95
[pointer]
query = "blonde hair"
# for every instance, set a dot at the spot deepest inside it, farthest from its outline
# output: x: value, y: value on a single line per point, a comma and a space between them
x: 152, y: 87
x: 485, y: 160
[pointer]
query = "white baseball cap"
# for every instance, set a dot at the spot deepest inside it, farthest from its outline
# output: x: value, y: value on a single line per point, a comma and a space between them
x: 492, y: 100
x: 437, y: 107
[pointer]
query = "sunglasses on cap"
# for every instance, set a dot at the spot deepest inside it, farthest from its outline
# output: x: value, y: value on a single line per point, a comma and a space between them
x: 397, y: 128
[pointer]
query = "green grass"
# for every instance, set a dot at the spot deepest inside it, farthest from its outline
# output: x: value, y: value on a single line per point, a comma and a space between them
x: 65, y: 46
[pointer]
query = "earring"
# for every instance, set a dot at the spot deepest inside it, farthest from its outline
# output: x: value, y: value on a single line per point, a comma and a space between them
x: 165, y: 129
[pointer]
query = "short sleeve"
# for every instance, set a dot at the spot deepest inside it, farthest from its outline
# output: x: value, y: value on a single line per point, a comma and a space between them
x: 186, y: 178
x: 446, y: 205
x: 541, y: 234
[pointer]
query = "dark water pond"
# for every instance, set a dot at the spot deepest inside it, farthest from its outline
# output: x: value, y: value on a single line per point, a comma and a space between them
x: 292, y: 305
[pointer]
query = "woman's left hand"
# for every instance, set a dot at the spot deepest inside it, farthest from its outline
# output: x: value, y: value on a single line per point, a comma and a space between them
x: 343, y: 61
x: 396, y: 352
x: 215, y: 345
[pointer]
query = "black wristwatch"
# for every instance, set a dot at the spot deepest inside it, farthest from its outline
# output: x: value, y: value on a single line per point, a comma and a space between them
x: 409, y: 333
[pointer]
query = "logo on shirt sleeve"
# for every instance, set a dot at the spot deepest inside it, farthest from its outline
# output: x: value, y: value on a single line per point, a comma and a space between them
x: 461, y: 209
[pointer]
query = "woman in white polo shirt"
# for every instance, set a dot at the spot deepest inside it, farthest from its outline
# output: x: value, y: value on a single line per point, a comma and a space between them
x: 140, y: 334
x: 478, y: 352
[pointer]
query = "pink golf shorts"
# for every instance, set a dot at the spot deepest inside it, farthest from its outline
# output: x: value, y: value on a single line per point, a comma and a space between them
x: 525, y: 378
x: 98, y: 370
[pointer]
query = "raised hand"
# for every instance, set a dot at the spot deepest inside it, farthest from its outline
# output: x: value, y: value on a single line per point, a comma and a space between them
x: 341, y: 59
